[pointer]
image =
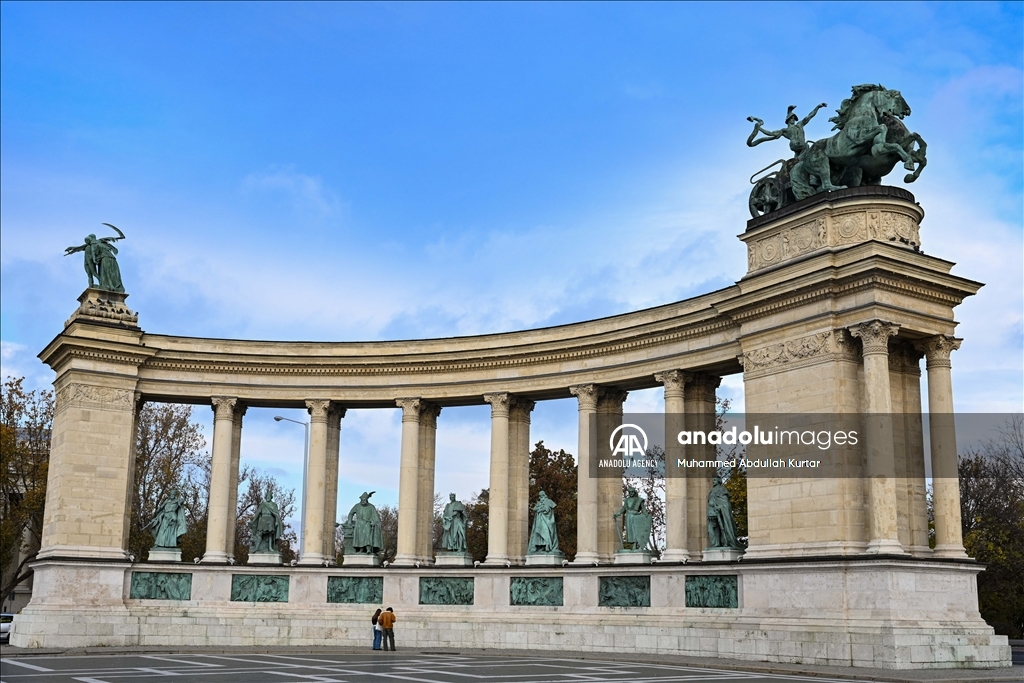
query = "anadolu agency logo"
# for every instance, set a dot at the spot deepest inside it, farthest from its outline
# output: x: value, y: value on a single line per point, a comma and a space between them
x: 628, y: 444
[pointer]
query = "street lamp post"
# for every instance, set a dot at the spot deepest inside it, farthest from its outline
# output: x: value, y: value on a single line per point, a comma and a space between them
x: 305, y: 464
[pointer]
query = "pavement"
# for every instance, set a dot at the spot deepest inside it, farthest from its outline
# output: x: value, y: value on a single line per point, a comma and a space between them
x: 348, y: 665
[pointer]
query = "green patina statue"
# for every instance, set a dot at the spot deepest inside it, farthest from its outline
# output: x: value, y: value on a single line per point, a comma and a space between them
x: 544, y: 538
x: 454, y: 522
x: 870, y: 141
x: 169, y: 522
x: 635, y: 533
x: 266, y: 527
x: 721, y: 529
x: 366, y: 529
x: 100, y: 261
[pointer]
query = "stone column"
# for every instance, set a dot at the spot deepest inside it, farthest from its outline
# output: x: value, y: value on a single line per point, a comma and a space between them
x: 675, y: 486
x: 220, y: 479
x: 429, y: 413
x: 236, y: 454
x: 334, y: 417
x: 699, y: 401
x: 883, y: 534
x: 609, y: 489
x: 497, y: 504
x: 519, y: 479
x: 408, y: 482
x: 942, y: 429
x: 586, y: 491
x: 316, y: 484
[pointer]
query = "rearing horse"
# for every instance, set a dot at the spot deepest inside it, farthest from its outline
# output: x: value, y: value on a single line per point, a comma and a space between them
x: 870, y: 141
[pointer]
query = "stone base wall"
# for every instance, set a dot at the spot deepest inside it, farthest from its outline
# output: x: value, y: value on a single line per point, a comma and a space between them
x: 898, y: 614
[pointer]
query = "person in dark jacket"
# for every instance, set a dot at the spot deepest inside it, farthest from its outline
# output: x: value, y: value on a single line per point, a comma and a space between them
x: 377, y: 632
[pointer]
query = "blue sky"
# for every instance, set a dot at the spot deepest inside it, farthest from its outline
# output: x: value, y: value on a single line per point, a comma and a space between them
x: 388, y: 171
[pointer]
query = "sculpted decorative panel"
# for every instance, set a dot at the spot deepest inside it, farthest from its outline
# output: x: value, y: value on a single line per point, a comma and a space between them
x: 259, y: 588
x: 365, y: 590
x: 161, y: 586
x: 536, y: 591
x: 625, y: 591
x: 91, y: 396
x: 712, y: 591
x: 456, y: 590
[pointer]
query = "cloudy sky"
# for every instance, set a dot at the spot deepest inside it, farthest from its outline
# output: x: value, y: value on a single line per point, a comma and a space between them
x: 389, y: 171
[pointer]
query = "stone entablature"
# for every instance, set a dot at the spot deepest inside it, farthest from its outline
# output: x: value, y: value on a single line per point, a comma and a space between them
x: 830, y: 225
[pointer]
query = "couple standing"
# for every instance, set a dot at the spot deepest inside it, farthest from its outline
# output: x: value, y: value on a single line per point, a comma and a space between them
x: 384, y: 628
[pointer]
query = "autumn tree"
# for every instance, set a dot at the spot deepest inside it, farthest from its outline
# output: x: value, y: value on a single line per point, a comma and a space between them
x: 25, y: 421
x: 476, y: 525
x: 992, y: 518
x: 168, y: 445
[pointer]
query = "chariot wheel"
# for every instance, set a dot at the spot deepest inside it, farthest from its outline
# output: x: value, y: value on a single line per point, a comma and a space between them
x: 765, y: 196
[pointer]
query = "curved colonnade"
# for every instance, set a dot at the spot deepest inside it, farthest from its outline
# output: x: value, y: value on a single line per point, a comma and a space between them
x: 833, y: 316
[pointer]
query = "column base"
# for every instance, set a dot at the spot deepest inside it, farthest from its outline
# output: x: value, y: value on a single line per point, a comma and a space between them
x: 165, y: 555
x: 214, y: 557
x: 312, y: 560
x: 362, y: 560
x: 722, y: 555
x: 675, y: 555
x: 950, y: 551
x: 82, y: 552
x: 587, y: 559
x: 400, y: 560
x: 497, y: 561
x: 885, y: 546
x: 264, y: 559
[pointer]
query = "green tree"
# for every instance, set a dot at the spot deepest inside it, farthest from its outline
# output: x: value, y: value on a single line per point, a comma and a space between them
x: 476, y: 525
x: 554, y: 473
x: 25, y: 421
x: 992, y: 518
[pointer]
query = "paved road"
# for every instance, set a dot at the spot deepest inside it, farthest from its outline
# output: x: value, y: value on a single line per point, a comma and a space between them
x: 358, y: 668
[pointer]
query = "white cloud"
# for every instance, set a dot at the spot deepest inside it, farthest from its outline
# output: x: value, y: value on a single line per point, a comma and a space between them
x: 305, y: 192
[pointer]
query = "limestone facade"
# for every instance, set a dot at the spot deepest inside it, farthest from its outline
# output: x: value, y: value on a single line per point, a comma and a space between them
x: 835, y: 313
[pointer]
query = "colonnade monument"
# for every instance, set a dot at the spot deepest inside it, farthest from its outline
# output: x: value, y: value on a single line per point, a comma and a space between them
x: 833, y: 317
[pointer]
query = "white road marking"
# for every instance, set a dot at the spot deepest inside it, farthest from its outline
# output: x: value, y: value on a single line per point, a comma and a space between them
x: 181, y: 661
x: 27, y: 666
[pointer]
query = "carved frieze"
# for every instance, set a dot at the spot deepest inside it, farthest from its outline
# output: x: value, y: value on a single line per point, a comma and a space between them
x: 712, y: 591
x: 363, y: 590
x: 259, y: 588
x: 774, y: 245
x: 808, y: 350
x: 624, y: 591
x: 92, y: 396
x: 160, y: 586
x: 536, y: 591
x: 443, y: 590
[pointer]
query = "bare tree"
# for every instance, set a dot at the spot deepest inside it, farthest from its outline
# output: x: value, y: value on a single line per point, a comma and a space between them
x: 168, y: 444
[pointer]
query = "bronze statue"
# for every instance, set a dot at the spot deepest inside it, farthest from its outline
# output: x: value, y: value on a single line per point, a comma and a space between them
x: 266, y: 527
x: 454, y: 522
x: 100, y: 260
x: 721, y: 529
x: 636, y: 522
x: 794, y: 130
x: 544, y: 538
x: 366, y: 529
x: 168, y: 523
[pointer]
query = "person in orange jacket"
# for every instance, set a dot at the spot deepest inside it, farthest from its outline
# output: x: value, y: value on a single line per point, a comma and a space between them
x: 387, y: 622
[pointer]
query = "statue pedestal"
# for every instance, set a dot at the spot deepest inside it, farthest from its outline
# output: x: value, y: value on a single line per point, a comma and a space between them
x: 265, y: 558
x: 450, y: 559
x: 554, y: 559
x: 633, y: 557
x: 722, y: 555
x: 164, y: 555
x: 361, y: 560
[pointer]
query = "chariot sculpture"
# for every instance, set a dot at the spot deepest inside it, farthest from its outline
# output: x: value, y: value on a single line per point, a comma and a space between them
x: 870, y: 141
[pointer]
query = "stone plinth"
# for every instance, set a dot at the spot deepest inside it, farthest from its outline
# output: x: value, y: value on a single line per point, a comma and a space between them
x: 165, y: 555
x: 545, y: 559
x: 361, y: 560
x: 633, y: 557
x: 101, y: 305
x: 448, y: 559
x: 722, y: 555
x: 264, y: 559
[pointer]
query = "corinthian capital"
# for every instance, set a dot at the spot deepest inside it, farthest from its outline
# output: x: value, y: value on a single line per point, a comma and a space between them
x: 520, y: 409
x: 874, y: 336
x: 429, y: 413
x: 410, y: 408
x: 223, y: 407
x: 611, y: 399
x: 318, y: 408
x: 702, y: 386
x: 587, y: 395
x: 674, y: 381
x: 499, y: 403
x: 936, y: 350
